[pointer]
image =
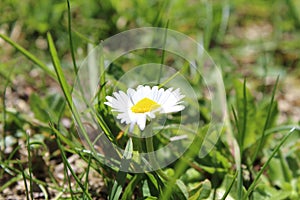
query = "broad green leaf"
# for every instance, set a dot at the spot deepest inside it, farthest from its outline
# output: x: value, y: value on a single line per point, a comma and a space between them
x: 228, y: 179
x: 275, y: 151
x: 182, y: 188
x: 154, y: 184
x: 191, y: 175
x: 202, y: 191
x: 266, y: 192
x: 279, y: 172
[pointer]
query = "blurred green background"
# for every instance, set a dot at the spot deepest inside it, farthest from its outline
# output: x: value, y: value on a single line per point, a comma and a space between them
x: 245, y: 38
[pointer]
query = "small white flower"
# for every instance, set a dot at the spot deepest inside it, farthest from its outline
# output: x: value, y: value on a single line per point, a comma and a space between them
x: 141, y: 104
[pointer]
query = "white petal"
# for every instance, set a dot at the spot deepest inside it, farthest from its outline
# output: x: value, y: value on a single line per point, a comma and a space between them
x: 172, y: 109
x: 141, y: 121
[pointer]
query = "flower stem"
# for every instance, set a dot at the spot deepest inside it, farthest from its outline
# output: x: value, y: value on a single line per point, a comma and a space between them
x: 149, y: 145
x: 151, y: 153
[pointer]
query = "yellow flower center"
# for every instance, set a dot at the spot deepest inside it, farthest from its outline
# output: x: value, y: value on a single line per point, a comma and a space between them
x: 144, y: 105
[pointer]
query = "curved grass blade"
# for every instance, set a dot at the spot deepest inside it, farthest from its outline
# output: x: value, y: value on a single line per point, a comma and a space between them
x: 65, y: 160
x: 241, y: 138
x: 29, y: 164
x: 30, y: 56
x: 24, y: 179
x: 163, y: 54
x: 253, y: 184
x: 65, y: 88
x: 230, y: 186
x: 128, y: 192
x: 267, y: 122
x: 121, y: 176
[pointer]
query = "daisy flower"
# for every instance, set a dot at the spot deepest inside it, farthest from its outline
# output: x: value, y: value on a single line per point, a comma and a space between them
x: 136, y: 106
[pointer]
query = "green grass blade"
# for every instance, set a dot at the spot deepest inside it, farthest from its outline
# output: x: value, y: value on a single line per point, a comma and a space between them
x: 66, y: 162
x: 245, y: 113
x: 183, y: 164
x: 275, y: 130
x: 163, y: 6
x: 29, y: 164
x: 128, y: 192
x: 224, y: 20
x: 84, y: 38
x: 209, y: 25
x: 14, y: 180
x: 267, y: 121
x: 293, y: 11
x: 241, y: 137
x: 121, y: 176
x: 65, y: 88
x: 86, y: 184
x: 253, y: 184
x: 236, y: 120
x: 30, y: 56
x: 71, y: 38
x: 169, y: 79
x: 163, y: 54
x: 230, y: 186
x: 66, y: 174
x: 24, y: 179
x: 58, y: 70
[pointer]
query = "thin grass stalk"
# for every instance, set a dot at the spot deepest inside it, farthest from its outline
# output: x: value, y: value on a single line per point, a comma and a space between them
x: 29, y: 56
x: 267, y: 122
x: 14, y: 180
x: 43, y: 189
x: 102, y: 77
x: 163, y: 53
x: 241, y: 143
x: 71, y: 38
x: 16, y: 171
x: 66, y: 89
x: 236, y: 122
x: 209, y: 24
x: 158, y: 18
x: 119, y: 183
x: 277, y: 148
x: 169, y: 79
x: 83, y: 37
x: 66, y: 162
x: 66, y: 174
x: 225, y: 19
x: 230, y: 187
x: 86, y: 184
x: 29, y: 163
x: 128, y: 192
x: 69, y: 180
x: 245, y: 118
x: 13, y: 153
x: 24, y: 179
